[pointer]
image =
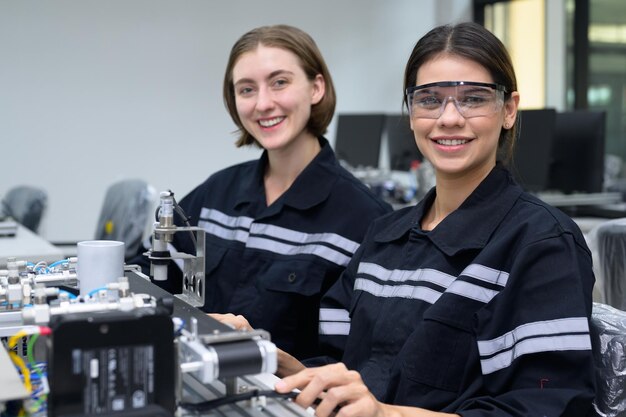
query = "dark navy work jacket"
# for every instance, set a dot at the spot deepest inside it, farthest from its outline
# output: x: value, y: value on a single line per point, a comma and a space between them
x: 272, y: 264
x: 485, y: 315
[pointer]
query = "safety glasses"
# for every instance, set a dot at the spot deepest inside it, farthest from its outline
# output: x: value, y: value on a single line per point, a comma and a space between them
x: 471, y: 99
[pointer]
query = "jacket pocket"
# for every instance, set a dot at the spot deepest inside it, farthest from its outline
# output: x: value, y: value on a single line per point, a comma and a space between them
x: 436, y: 354
x: 296, y: 277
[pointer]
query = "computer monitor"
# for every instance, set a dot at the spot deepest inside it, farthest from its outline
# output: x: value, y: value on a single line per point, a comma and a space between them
x: 532, y: 154
x: 578, y: 152
x: 401, y: 142
x: 358, y: 138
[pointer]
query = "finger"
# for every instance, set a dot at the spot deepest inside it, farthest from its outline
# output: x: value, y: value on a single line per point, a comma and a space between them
x: 353, y: 392
x: 360, y: 408
x: 295, y: 381
x: 324, y: 378
x: 327, y: 405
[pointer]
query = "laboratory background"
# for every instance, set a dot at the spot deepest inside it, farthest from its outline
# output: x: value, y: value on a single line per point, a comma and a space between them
x: 97, y: 92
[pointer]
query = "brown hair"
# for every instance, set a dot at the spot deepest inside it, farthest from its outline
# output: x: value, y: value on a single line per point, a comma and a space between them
x: 472, y: 41
x: 303, y: 46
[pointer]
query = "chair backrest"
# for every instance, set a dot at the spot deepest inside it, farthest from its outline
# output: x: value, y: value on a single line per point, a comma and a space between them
x: 26, y: 205
x: 608, y: 338
x: 610, y: 240
x: 125, y: 213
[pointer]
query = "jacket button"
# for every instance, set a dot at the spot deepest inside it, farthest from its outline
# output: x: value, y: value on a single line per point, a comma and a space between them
x: 291, y: 277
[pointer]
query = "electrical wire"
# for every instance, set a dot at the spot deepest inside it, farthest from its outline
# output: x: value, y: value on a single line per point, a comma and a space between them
x: 95, y: 291
x: 231, y: 399
x: 30, y: 354
x: 16, y: 337
x: 40, y: 265
x: 19, y: 362
x: 69, y: 294
x: 40, y: 395
x: 179, y: 325
x: 59, y: 262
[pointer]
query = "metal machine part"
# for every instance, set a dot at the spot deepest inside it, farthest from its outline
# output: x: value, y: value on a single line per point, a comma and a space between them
x: 115, y: 297
x: 225, y: 355
x: 19, y: 280
x: 210, y: 360
x: 192, y: 264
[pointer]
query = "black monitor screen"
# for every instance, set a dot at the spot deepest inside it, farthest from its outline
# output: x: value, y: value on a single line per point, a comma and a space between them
x: 533, y: 150
x: 578, y: 152
x: 401, y: 143
x: 358, y: 138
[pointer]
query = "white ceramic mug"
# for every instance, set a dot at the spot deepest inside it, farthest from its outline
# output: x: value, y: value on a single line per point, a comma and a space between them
x: 100, y: 262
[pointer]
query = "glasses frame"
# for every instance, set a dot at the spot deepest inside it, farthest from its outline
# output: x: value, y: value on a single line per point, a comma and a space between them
x: 409, y: 92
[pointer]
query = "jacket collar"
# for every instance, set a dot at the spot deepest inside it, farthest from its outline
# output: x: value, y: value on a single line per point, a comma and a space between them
x: 310, y: 188
x: 468, y: 227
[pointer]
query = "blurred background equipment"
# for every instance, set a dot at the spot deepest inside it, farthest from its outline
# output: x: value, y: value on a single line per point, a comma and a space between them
x: 26, y: 205
x: 126, y: 213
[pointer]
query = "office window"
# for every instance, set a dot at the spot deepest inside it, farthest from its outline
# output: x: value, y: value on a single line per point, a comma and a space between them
x: 520, y: 25
x: 606, y: 90
x: 594, y: 48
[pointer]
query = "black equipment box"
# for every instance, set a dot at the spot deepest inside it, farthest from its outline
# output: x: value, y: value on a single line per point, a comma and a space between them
x: 112, y: 364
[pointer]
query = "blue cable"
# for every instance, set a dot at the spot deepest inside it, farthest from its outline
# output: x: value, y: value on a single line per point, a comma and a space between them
x: 59, y: 262
x: 180, y: 328
x: 68, y: 293
x: 92, y: 292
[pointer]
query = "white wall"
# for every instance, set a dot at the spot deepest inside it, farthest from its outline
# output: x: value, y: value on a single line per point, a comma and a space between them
x: 96, y: 91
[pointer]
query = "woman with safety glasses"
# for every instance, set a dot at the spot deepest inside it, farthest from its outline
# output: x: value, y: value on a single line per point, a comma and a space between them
x: 476, y: 301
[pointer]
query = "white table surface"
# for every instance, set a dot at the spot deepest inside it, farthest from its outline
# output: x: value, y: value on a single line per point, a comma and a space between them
x: 28, y: 246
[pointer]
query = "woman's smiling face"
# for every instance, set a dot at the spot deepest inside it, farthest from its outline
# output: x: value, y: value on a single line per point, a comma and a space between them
x: 454, y: 144
x: 274, y: 96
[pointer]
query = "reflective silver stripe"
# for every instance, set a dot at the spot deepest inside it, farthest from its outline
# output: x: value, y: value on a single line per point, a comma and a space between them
x: 473, y: 291
x: 223, y: 232
x: 238, y: 228
x: 334, y: 314
x: 224, y: 219
x: 304, y: 238
x: 486, y: 274
x: 535, y: 345
x: 539, y: 328
x: 399, y: 291
x: 400, y: 275
x: 334, y: 328
x: 322, y: 251
x: 452, y: 285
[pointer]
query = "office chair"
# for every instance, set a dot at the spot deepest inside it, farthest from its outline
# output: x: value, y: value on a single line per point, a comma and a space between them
x: 609, y: 240
x: 26, y: 205
x: 608, y: 341
x: 126, y: 212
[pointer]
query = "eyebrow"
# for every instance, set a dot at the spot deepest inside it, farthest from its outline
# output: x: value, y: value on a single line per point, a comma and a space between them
x: 269, y: 77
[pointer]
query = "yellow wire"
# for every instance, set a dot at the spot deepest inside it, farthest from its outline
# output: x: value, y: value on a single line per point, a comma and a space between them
x: 19, y: 362
x: 14, y: 339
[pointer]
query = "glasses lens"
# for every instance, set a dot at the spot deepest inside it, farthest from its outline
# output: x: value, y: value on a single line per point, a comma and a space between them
x: 469, y: 100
